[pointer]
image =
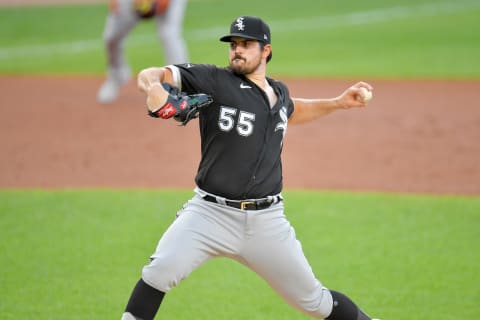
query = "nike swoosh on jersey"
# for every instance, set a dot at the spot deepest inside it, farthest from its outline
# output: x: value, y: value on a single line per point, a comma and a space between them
x: 244, y: 86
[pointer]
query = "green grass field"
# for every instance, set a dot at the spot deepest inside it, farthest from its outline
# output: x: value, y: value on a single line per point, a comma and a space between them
x: 382, y: 39
x: 76, y: 254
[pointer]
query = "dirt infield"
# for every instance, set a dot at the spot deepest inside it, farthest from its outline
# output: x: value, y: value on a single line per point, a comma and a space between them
x: 416, y: 136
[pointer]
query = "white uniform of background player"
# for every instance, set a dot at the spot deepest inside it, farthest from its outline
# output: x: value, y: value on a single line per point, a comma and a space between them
x: 121, y: 19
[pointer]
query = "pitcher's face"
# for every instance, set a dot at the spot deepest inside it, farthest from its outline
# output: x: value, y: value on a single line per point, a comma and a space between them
x: 245, y: 55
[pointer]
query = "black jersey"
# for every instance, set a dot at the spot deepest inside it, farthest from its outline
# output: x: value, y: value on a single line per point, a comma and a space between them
x: 241, y: 136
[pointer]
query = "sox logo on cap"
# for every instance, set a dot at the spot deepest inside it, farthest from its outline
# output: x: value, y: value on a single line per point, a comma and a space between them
x: 240, y: 26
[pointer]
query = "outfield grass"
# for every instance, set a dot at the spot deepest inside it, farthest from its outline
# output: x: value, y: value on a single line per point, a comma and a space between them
x: 77, y: 254
x: 382, y: 39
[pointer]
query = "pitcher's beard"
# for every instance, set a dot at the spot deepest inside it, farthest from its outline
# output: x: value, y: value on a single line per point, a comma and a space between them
x: 243, y: 68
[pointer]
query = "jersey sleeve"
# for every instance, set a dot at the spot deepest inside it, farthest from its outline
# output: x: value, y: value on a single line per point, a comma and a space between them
x: 194, y: 78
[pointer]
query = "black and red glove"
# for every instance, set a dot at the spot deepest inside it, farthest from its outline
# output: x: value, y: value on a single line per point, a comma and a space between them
x: 180, y: 106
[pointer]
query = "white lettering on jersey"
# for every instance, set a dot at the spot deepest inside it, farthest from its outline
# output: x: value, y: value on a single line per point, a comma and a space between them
x: 226, y: 119
x: 244, y: 124
x: 283, y: 124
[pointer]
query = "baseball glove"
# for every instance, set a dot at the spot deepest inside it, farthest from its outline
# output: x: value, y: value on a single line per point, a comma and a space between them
x: 149, y: 8
x: 180, y: 106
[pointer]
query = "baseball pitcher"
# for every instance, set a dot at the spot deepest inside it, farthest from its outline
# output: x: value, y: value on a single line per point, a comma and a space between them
x: 237, y: 208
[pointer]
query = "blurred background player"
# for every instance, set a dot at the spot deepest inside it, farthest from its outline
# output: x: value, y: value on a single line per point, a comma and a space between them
x: 123, y: 16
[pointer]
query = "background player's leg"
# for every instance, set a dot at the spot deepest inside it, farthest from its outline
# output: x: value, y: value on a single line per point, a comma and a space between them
x: 117, y: 26
x: 170, y: 32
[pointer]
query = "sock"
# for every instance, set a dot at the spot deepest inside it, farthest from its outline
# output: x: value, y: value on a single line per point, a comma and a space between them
x: 144, y: 301
x: 345, y: 309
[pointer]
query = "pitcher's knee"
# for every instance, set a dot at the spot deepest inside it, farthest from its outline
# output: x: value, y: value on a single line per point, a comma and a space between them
x: 162, y: 275
x: 319, y: 305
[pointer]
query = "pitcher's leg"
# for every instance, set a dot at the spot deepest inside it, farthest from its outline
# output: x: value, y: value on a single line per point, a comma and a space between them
x: 143, y: 303
x: 287, y: 271
x: 178, y: 253
x: 276, y: 255
x: 345, y: 309
x: 199, y: 233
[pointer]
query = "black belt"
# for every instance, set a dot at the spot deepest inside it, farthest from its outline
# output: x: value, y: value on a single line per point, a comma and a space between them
x: 247, y: 204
